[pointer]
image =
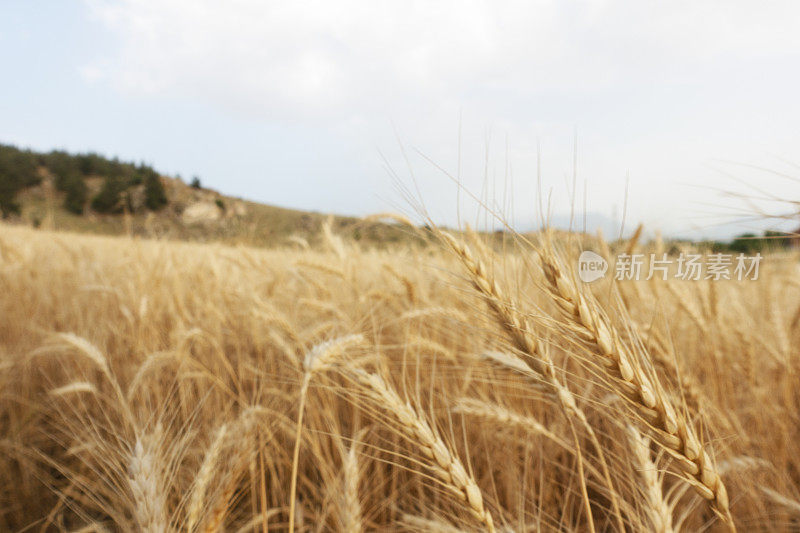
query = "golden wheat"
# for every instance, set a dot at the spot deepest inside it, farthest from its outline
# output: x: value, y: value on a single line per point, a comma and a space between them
x: 165, y: 386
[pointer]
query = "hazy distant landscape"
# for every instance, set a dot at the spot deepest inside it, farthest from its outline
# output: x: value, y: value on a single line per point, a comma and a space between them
x: 93, y: 194
x: 90, y: 193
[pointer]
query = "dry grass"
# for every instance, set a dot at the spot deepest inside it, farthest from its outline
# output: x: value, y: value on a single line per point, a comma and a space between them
x: 161, y: 386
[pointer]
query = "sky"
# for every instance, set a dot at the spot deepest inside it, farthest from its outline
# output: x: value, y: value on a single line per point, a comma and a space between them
x: 681, y: 115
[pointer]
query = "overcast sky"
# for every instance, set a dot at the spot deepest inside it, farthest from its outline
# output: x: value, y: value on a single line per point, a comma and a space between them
x: 298, y: 103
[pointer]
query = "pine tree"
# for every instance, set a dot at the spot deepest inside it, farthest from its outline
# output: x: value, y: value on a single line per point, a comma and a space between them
x: 109, y: 199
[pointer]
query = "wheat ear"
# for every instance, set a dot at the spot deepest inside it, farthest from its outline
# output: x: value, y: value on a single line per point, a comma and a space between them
x: 351, y: 506
x: 506, y: 418
x: 240, y: 455
x: 659, y: 510
x: 204, y: 476
x: 673, y: 432
x: 539, y: 361
x: 446, y: 465
x: 316, y: 360
x: 146, y: 484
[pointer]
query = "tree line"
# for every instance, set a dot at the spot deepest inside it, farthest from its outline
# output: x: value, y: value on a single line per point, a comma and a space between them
x: 21, y: 168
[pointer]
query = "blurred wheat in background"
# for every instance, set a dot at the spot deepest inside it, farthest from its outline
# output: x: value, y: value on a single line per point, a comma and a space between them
x: 466, y: 384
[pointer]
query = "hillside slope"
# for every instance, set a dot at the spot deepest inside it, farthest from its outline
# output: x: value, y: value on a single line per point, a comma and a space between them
x: 89, y: 193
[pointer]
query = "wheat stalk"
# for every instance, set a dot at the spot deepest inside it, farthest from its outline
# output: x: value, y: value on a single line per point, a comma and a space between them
x: 644, y: 393
x: 517, y: 327
x: 508, y: 418
x: 777, y: 497
x: 74, y: 387
x: 316, y: 360
x: 427, y: 525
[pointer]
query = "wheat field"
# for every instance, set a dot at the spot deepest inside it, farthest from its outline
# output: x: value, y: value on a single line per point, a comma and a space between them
x: 461, y: 386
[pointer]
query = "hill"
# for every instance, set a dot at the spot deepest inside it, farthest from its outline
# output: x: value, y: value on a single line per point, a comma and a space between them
x: 90, y: 193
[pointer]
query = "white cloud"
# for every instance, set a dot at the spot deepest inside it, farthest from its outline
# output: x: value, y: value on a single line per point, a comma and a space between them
x: 529, y: 68
x: 343, y: 55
